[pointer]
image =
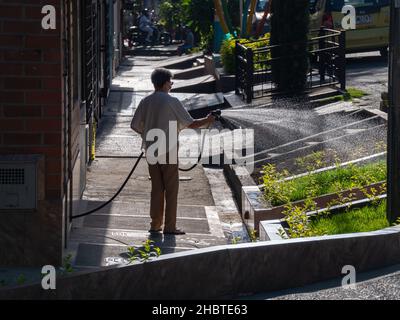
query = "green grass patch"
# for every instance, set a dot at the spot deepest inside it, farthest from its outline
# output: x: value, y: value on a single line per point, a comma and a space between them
x: 279, y: 192
x: 349, y: 95
x: 368, y: 218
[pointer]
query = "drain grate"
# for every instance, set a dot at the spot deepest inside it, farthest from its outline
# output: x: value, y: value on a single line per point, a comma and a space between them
x: 12, y: 176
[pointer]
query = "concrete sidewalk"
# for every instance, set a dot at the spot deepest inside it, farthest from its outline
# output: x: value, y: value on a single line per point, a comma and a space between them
x: 206, y: 209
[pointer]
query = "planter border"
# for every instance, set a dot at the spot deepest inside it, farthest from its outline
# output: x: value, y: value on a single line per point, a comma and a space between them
x: 269, y: 228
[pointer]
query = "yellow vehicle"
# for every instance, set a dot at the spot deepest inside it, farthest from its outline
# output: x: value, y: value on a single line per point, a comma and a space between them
x: 372, y: 22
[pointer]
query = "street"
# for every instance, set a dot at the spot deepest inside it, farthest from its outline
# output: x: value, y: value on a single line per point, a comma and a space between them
x: 368, y: 71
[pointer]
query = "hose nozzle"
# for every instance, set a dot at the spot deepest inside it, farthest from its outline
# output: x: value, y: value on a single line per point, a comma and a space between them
x: 217, y: 114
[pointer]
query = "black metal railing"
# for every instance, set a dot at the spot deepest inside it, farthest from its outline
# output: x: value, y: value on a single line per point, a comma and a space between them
x: 327, y: 67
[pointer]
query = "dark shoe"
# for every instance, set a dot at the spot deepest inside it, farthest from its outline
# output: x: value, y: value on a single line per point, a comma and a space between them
x: 155, y: 230
x: 175, y: 232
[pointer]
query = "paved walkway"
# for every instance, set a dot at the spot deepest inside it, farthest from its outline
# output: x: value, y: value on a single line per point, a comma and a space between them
x: 206, y: 209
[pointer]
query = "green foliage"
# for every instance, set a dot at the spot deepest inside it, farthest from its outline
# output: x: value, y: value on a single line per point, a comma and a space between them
x: 289, y: 31
x: 228, y: 53
x: 372, y: 217
x: 368, y: 218
x: 21, y: 279
x: 279, y: 192
x: 297, y: 219
x: 173, y: 13
x: 67, y: 264
x: 275, y: 191
x: 143, y: 253
x: 236, y: 240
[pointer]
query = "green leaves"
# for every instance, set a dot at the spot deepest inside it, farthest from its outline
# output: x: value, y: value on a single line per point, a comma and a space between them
x: 143, y: 253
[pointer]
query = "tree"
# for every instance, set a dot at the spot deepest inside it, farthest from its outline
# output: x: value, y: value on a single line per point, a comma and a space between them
x: 289, y: 31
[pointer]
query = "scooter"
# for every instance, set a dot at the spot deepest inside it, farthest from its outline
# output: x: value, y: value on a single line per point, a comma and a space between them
x: 137, y: 37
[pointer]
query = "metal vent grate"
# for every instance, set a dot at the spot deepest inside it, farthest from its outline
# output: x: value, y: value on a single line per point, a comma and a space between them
x: 12, y: 176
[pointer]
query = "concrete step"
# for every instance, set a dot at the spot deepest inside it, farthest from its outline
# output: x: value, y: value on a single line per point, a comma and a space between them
x: 157, y: 50
x: 203, y: 84
x: 236, y: 101
x: 182, y: 62
x: 187, y: 74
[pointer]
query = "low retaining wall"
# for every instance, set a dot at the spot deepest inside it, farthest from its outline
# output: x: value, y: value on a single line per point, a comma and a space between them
x: 228, y: 271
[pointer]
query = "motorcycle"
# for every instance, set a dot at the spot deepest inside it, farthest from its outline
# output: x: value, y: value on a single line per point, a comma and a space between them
x: 137, y: 37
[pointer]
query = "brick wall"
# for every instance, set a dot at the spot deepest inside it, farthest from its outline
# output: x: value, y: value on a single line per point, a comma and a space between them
x: 31, y: 121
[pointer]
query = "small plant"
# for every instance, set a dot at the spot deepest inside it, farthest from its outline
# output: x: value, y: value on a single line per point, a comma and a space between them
x: 275, y: 191
x: 21, y: 279
x: 67, y: 264
x: 253, y: 235
x: 144, y: 253
x: 311, y: 162
x: 235, y: 240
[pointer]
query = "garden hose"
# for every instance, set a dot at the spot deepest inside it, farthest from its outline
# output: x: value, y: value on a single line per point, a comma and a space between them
x: 220, y: 14
x: 216, y: 114
x: 115, y: 195
x: 250, y: 16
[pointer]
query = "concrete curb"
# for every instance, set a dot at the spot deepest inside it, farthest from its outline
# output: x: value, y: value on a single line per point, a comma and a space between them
x: 228, y: 271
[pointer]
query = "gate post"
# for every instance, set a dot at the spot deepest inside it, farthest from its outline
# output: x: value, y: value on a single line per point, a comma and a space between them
x: 342, y: 60
x: 321, y: 55
x: 249, y: 75
x: 237, y: 68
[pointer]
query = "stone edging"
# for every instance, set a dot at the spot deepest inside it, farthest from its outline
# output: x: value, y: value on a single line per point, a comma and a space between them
x: 228, y: 271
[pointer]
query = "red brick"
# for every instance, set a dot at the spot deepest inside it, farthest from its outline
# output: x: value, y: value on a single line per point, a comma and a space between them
x: 53, y: 151
x: 43, y: 70
x: 23, y: 55
x: 22, y: 111
x: 43, y: 125
x: 53, y: 166
x: 51, y: 83
x: 11, y: 97
x: 42, y: 42
x: 52, y: 139
x: 11, y: 41
x: 10, y: 69
x: 10, y: 11
x: 11, y: 125
x: 22, y: 27
x: 22, y: 83
x: 53, y: 181
x: 53, y: 194
x: 52, y: 111
x: 43, y: 97
x: 22, y: 139
x: 52, y: 56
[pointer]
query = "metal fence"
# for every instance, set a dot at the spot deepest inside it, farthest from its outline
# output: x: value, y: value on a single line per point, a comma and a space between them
x: 327, y: 67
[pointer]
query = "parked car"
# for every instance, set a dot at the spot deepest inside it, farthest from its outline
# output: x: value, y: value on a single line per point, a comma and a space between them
x: 259, y: 12
x: 372, y: 22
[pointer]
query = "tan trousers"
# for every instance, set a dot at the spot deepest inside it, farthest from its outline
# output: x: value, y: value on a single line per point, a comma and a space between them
x: 164, y: 183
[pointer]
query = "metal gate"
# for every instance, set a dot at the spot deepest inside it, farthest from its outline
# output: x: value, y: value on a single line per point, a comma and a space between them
x: 90, y: 63
x: 108, y: 5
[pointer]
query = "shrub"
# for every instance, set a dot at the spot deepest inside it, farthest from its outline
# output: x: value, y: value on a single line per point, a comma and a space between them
x: 228, y: 51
